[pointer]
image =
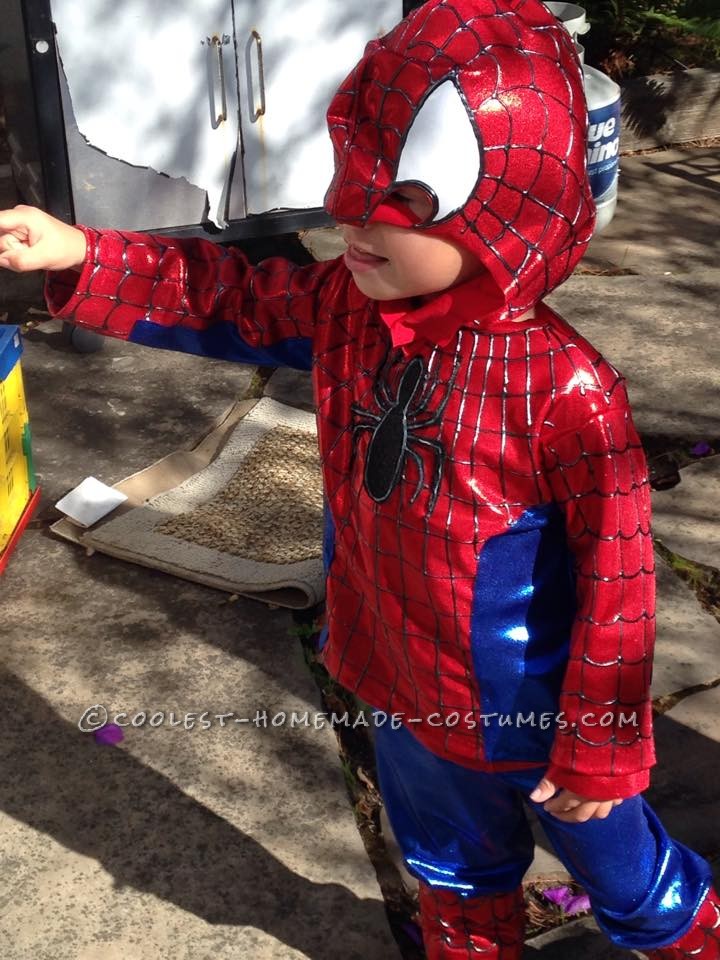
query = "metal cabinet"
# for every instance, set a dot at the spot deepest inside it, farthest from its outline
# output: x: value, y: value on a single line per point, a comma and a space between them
x: 197, y: 116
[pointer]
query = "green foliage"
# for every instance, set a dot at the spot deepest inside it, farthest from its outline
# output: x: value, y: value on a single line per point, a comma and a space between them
x: 696, y: 26
x: 693, y: 16
x: 647, y: 36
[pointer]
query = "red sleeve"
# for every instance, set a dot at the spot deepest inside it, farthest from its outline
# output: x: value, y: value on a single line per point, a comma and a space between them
x: 603, y: 748
x: 192, y: 295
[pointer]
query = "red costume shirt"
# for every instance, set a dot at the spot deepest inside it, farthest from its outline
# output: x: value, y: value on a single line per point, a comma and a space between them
x: 490, y: 568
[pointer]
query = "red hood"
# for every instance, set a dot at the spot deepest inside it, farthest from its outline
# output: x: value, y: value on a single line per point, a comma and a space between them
x: 482, y: 103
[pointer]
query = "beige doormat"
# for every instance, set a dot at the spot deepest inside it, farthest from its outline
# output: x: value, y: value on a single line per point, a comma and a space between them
x: 241, y: 511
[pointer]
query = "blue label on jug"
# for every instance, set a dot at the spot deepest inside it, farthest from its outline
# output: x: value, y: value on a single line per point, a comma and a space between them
x: 603, y: 148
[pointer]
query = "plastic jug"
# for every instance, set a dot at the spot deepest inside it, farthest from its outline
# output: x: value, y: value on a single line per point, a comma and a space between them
x: 603, y: 100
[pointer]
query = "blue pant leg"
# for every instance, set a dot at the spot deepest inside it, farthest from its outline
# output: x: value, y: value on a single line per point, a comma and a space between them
x: 459, y: 829
x: 645, y: 888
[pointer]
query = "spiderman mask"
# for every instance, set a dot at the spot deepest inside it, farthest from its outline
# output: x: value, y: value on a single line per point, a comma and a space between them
x: 479, y: 104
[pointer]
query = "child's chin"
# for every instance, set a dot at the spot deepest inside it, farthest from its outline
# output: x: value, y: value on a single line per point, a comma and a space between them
x: 370, y: 287
x: 376, y: 289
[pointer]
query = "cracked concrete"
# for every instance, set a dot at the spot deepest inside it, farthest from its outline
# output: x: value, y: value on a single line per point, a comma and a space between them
x: 687, y: 517
x: 660, y: 332
x: 667, y: 214
x: 579, y: 940
x: 688, y: 639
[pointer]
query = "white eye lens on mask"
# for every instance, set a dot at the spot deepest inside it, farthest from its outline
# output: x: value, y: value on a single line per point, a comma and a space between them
x: 441, y: 150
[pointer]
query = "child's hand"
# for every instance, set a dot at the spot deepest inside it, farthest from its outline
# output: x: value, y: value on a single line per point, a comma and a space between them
x: 33, y: 240
x: 569, y: 806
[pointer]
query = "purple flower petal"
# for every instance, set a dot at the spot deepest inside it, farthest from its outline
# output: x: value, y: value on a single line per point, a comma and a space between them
x: 109, y: 735
x: 558, y: 895
x: 701, y: 449
x: 579, y: 904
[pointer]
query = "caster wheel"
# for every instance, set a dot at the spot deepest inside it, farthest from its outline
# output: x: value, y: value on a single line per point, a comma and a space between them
x: 83, y: 341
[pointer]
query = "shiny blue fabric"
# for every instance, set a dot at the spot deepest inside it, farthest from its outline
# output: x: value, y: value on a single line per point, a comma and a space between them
x: 328, y: 552
x: 222, y: 341
x: 328, y: 546
x: 466, y: 830
x: 523, y: 609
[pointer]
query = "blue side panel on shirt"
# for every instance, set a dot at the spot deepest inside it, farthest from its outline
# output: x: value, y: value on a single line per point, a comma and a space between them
x: 222, y: 341
x: 328, y: 537
x: 328, y: 550
x: 523, y: 609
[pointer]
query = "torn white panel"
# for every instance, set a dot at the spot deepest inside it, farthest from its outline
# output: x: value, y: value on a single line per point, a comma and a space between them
x: 307, y: 47
x: 144, y: 79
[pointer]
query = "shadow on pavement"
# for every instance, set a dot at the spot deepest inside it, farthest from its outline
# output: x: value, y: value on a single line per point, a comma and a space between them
x: 104, y: 804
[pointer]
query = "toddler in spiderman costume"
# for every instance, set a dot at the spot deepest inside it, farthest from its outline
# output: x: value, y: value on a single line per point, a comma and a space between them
x: 488, y: 551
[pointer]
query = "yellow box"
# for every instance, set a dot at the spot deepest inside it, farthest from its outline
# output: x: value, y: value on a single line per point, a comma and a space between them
x: 18, y: 487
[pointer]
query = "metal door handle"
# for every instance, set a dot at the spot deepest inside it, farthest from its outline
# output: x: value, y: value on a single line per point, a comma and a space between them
x: 259, y: 111
x: 218, y: 44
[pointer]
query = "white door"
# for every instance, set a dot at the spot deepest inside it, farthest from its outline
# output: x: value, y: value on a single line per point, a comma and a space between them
x: 303, y: 49
x: 146, y: 86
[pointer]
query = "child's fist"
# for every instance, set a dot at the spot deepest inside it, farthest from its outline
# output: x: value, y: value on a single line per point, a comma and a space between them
x: 31, y: 239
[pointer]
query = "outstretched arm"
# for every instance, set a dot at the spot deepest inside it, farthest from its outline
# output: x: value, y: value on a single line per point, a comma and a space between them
x: 190, y: 295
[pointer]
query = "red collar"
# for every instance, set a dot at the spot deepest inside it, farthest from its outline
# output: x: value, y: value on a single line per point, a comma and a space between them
x: 475, y: 303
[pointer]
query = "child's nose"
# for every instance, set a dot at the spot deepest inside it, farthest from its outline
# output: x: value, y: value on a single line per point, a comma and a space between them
x: 351, y: 232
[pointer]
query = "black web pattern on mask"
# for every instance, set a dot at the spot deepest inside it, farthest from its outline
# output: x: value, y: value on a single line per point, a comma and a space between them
x: 554, y: 200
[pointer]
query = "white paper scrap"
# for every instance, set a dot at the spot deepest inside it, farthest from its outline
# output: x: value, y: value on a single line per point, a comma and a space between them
x: 89, y: 502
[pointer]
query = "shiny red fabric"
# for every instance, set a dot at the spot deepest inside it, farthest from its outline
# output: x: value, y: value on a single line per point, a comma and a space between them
x: 437, y: 319
x: 531, y: 415
x: 531, y: 214
x: 702, y: 941
x: 394, y: 212
x: 457, y: 928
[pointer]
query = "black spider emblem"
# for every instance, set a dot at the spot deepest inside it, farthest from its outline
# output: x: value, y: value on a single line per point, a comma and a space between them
x: 394, y: 432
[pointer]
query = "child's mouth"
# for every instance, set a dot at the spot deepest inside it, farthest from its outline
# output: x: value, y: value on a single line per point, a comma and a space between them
x: 358, y: 260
